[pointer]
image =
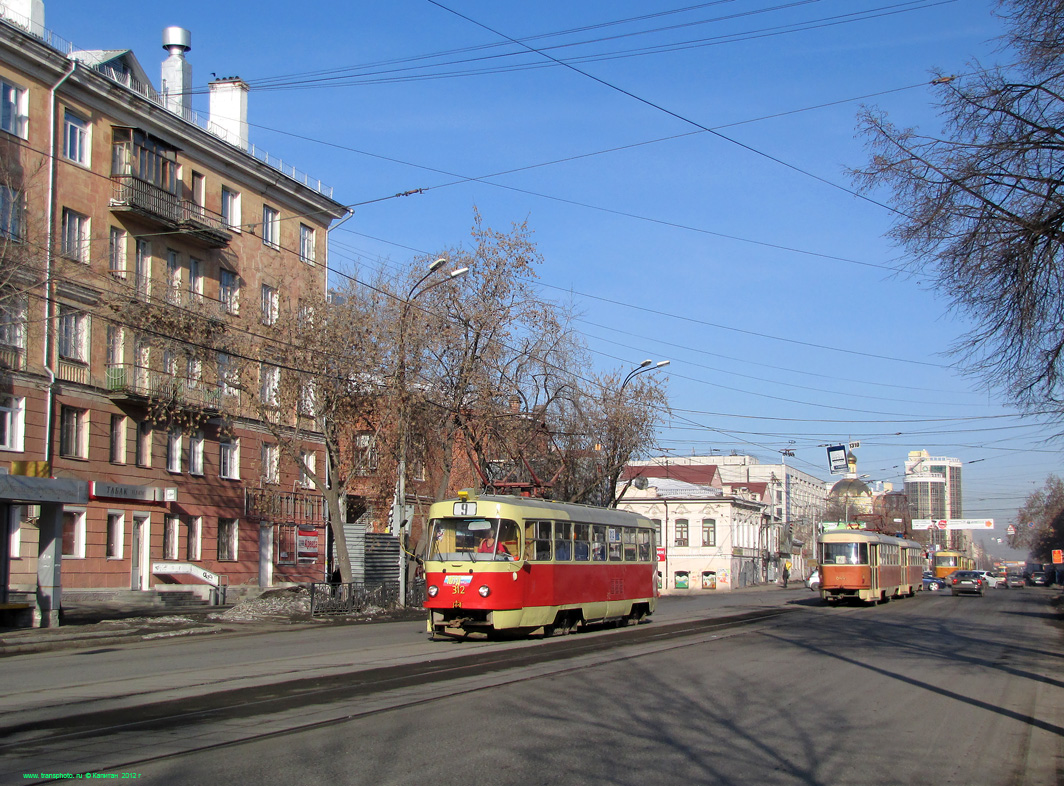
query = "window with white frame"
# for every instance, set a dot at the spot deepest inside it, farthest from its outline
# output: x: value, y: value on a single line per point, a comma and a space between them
x: 194, y: 538
x: 709, y: 532
x: 195, y: 279
x: 306, y: 244
x: 73, y: 534
x: 193, y: 372
x: 144, y: 444
x: 231, y: 208
x: 13, y: 322
x: 173, y: 276
x: 12, y: 422
x: 142, y: 271
x: 271, y: 227
x: 195, y: 454
x: 118, y: 439
x: 116, y: 525
x: 116, y: 252
x: 228, y: 539
x: 12, y: 213
x: 228, y: 375
x: 308, y: 398
x: 116, y: 345
x: 171, y: 527
x: 365, y: 453
x: 73, y: 432
x: 174, y: 443
x: 229, y: 290
x: 270, y: 455
x: 75, y: 138
x: 15, y: 519
x: 269, y: 304
x: 229, y: 458
x: 14, y: 115
x: 308, y: 460
x: 74, y: 243
x: 73, y: 334
x: 270, y: 377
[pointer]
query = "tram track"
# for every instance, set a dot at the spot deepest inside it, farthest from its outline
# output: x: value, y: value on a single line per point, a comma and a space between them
x: 190, y: 714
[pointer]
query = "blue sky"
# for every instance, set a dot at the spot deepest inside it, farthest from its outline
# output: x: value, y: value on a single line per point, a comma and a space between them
x: 769, y: 290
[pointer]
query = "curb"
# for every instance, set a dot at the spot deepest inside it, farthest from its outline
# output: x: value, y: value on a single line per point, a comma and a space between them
x: 84, y: 640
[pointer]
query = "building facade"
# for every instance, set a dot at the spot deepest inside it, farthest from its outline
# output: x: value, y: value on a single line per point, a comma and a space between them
x: 135, y: 233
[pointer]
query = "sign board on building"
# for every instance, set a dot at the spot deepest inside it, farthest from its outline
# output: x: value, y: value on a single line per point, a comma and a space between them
x: 184, y: 569
x: 837, y: 459
x: 307, y: 545
x: 661, y: 553
x: 99, y: 489
x: 953, y: 524
x: 1058, y: 556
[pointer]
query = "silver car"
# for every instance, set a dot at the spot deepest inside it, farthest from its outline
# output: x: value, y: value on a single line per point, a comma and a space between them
x: 966, y: 581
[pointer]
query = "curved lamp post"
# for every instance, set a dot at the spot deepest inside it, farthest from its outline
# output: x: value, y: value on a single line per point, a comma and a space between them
x: 399, y: 517
x: 642, y: 368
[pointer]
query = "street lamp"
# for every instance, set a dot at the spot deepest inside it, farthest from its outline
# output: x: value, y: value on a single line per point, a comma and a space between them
x: 399, y: 517
x: 615, y: 470
x: 642, y: 368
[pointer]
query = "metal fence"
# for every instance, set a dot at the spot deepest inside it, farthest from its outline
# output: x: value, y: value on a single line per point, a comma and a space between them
x: 351, y: 597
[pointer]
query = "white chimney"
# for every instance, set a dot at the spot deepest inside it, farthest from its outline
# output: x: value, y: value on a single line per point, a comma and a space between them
x: 177, y: 71
x: 229, y: 110
x: 27, y: 14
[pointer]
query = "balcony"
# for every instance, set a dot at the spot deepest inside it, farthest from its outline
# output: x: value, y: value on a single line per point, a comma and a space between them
x: 72, y: 371
x: 284, y: 507
x: 12, y: 358
x: 129, y: 382
x: 148, y: 201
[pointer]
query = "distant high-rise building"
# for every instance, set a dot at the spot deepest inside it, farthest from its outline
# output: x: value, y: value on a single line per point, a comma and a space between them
x: 933, y: 485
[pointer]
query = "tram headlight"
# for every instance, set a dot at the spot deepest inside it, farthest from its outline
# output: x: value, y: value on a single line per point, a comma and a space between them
x: 484, y: 590
x: 433, y: 590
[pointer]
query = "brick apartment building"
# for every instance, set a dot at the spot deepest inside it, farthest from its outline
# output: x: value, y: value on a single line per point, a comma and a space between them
x: 115, y: 193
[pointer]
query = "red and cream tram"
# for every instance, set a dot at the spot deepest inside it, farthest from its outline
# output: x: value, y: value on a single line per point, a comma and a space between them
x: 516, y: 564
x: 869, y: 566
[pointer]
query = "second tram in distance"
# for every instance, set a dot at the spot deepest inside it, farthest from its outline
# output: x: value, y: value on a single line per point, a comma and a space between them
x: 517, y: 564
x: 869, y: 566
x: 947, y: 561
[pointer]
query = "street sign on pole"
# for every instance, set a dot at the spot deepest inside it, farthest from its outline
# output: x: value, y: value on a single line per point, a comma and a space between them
x: 837, y: 459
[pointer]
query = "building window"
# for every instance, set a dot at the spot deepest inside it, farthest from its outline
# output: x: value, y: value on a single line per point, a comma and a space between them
x: 307, y: 399
x: 13, y: 322
x: 709, y: 532
x: 365, y: 462
x: 173, y: 451
x: 269, y: 463
x: 118, y: 439
x: 307, y: 467
x: 195, y: 279
x: 170, y: 533
x: 73, y: 534
x: 12, y: 213
x: 73, y: 432
x: 229, y: 459
x: 195, y: 538
x: 231, y: 209
x: 193, y: 372
x: 75, y: 239
x: 271, y: 227
x: 269, y: 304
x: 306, y: 244
x: 271, y: 383
x: 12, y: 422
x: 228, y: 375
x: 116, y: 253
x: 144, y: 444
x: 73, y: 334
x: 229, y: 291
x: 681, y: 532
x: 142, y: 271
x: 228, y: 539
x: 13, y: 110
x: 115, y: 534
x: 195, y: 454
x: 173, y: 276
x: 682, y: 579
x: 75, y: 138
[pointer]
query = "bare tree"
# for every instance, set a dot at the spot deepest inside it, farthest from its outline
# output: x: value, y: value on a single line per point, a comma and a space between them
x: 981, y: 207
x: 1040, y: 522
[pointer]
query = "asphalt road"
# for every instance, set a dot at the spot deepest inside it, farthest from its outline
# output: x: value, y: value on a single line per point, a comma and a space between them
x: 775, y: 688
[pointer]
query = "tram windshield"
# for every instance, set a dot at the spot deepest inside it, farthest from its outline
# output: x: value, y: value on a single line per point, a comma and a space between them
x: 473, y: 539
x: 844, y: 553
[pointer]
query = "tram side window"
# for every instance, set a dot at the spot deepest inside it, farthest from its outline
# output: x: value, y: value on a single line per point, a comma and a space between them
x: 643, y: 539
x: 613, y: 535
x: 598, y: 543
x: 563, y: 541
x: 538, y: 541
x: 845, y: 553
x: 581, y: 542
x: 628, y: 539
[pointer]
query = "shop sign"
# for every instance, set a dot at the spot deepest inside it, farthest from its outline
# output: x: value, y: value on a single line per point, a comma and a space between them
x: 307, y: 544
x: 99, y: 489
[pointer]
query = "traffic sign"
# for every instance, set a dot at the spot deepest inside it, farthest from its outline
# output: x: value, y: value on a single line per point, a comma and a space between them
x: 1058, y: 556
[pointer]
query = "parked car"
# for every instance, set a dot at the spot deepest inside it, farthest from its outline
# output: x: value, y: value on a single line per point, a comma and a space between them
x: 933, y: 583
x: 1038, y: 579
x: 813, y: 582
x: 966, y: 581
x: 1014, y: 580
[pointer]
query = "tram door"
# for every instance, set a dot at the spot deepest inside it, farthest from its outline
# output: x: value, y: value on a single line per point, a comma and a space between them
x: 873, y: 564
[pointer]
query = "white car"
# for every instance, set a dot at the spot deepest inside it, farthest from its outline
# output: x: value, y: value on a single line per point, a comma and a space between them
x: 993, y: 580
x: 813, y: 582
